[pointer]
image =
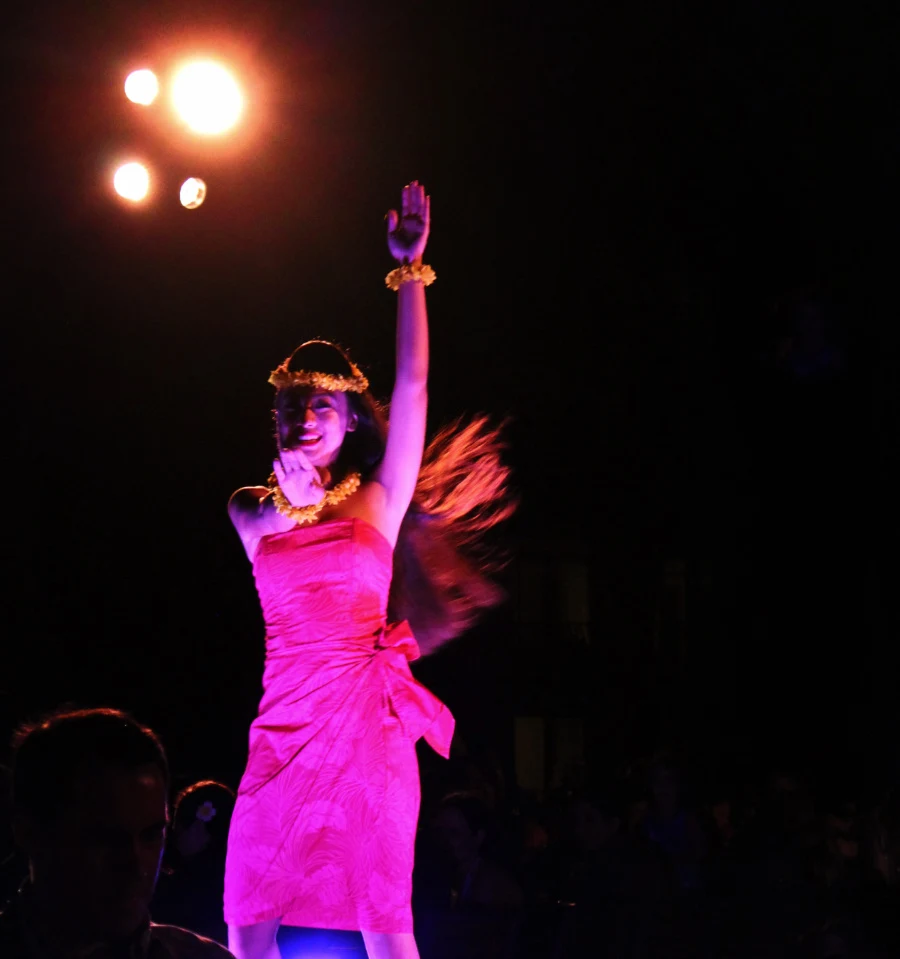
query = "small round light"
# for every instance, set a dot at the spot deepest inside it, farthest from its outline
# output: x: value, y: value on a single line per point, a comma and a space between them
x: 192, y: 193
x: 141, y: 86
x: 132, y: 182
x: 206, y: 97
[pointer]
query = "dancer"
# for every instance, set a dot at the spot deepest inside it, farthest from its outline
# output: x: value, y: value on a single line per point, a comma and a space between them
x: 360, y: 546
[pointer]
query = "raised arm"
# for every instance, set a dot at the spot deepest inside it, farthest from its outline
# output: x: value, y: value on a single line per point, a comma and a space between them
x: 407, y: 235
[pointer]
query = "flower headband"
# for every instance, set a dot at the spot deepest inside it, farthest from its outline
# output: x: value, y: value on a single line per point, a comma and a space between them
x: 333, y: 382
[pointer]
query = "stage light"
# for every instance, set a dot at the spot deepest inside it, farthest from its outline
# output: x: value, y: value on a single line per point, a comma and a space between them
x: 207, y: 97
x: 132, y: 181
x: 193, y: 193
x: 141, y: 86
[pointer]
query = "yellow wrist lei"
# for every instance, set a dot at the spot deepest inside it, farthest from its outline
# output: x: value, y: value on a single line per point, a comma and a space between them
x: 309, y: 514
x: 410, y: 273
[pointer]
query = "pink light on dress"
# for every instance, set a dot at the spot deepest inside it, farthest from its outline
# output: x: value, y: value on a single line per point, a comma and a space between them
x: 324, y: 826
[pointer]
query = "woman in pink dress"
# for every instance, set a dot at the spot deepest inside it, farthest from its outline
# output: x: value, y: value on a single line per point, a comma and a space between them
x: 364, y: 548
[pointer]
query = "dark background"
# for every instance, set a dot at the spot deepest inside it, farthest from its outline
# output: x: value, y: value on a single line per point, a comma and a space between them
x: 627, y: 201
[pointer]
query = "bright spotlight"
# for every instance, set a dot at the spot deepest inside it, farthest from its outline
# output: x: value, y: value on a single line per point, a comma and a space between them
x: 132, y: 181
x: 141, y: 86
x: 206, y: 97
x: 193, y: 193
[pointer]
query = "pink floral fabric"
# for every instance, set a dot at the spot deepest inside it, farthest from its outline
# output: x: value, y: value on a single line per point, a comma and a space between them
x: 323, y: 830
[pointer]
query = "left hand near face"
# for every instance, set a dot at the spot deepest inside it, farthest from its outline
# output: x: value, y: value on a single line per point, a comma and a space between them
x: 408, y: 229
x: 300, y: 481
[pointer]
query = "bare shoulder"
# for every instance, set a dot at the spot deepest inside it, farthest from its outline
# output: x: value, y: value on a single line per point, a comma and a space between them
x: 247, y: 514
x: 244, y: 502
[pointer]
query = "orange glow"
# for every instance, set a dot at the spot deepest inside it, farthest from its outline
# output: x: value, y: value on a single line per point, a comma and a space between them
x: 141, y: 86
x: 132, y: 182
x: 207, y: 98
x: 193, y: 193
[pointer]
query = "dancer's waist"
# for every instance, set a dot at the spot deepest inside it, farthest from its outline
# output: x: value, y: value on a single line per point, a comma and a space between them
x: 325, y: 679
x: 298, y: 661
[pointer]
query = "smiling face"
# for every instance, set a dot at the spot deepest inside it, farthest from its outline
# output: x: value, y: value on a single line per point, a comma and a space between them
x: 314, y: 421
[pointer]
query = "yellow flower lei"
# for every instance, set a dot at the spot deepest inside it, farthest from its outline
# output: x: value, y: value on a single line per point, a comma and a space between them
x: 309, y: 514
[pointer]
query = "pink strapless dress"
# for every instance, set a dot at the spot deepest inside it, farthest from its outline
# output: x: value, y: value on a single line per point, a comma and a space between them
x: 324, y: 825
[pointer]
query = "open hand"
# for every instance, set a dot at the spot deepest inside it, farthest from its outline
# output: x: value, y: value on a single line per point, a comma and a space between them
x: 407, y: 231
x: 298, y: 478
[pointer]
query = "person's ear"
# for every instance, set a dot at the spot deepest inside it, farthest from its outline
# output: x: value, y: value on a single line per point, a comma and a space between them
x: 352, y: 422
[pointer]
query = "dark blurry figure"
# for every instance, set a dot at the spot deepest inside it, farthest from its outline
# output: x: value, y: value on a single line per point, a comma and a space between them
x: 674, y: 827
x: 614, y: 880
x: 191, y: 885
x: 90, y: 811
x: 879, y: 851
x: 884, y: 839
x: 809, y: 348
x: 774, y: 897
x: 462, y: 827
x: 468, y: 902
x: 483, y: 777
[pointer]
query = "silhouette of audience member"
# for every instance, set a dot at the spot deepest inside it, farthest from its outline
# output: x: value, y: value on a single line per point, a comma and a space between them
x: 616, y: 881
x: 191, y: 885
x: 674, y: 827
x: 770, y: 860
x: 462, y: 826
x: 89, y: 796
x: 471, y: 905
x: 809, y: 348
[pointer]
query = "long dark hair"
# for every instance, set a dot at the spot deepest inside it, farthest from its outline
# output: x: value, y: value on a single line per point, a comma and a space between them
x: 217, y: 818
x: 444, y: 569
